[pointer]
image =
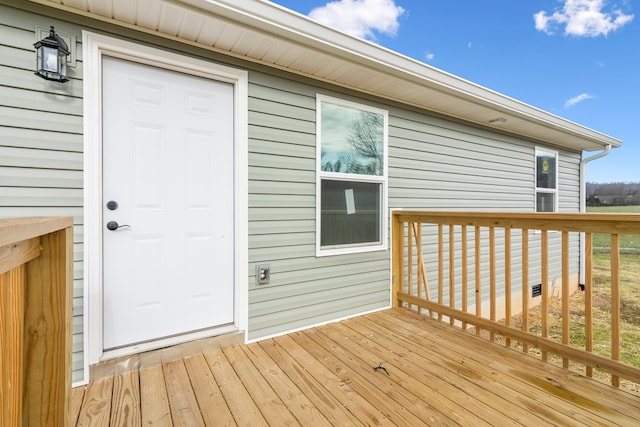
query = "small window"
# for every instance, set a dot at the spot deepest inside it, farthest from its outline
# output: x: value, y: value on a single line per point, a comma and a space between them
x: 546, y: 181
x: 351, y: 177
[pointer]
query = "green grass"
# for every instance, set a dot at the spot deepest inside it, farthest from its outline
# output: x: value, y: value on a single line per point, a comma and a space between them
x: 628, y: 244
x: 614, y: 209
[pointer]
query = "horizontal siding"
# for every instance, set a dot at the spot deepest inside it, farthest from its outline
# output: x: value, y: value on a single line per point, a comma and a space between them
x: 41, y: 140
x: 304, y: 289
x: 41, y: 145
x: 440, y: 165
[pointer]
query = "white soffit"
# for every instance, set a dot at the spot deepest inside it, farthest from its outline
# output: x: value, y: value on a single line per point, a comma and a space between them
x: 265, y: 33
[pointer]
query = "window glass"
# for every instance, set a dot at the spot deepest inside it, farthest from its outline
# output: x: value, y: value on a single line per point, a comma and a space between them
x: 546, y: 181
x: 545, y: 202
x: 352, y: 140
x: 350, y: 212
x: 546, y: 170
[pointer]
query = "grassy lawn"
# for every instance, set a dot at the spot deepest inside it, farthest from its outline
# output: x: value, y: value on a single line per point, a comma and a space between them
x: 628, y: 244
x: 614, y: 209
x: 630, y: 304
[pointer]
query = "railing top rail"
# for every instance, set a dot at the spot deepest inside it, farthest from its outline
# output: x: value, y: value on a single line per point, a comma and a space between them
x: 612, y: 223
x: 18, y: 229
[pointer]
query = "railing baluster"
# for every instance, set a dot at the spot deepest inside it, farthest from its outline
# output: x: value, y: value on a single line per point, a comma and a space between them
x: 507, y: 281
x: 478, y: 278
x: 544, y: 304
x: 525, y: 285
x: 588, y: 297
x: 615, y: 303
x: 465, y: 273
x: 492, y: 278
x: 440, y: 268
x: 452, y: 276
x: 565, y: 294
x: 410, y: 259
x: 422, y: 273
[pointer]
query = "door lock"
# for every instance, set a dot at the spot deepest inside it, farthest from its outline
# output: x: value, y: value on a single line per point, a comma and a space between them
x: 113, y: 225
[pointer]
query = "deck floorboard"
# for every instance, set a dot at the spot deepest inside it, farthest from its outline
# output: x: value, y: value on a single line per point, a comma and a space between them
x: 433, y: 375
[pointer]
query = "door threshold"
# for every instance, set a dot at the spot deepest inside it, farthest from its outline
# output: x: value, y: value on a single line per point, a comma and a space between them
x: 137, y: 361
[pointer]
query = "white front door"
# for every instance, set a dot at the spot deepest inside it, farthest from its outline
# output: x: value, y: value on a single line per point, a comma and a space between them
x: 168, y: 171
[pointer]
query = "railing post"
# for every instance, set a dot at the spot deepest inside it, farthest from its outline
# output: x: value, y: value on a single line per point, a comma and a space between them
x: 397, y: 252
x: 36, y: 276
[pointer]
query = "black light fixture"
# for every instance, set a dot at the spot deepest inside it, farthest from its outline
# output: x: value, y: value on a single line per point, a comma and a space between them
x: 51, y: 57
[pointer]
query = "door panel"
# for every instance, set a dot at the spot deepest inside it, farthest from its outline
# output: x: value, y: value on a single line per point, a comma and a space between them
x: 168, y: 163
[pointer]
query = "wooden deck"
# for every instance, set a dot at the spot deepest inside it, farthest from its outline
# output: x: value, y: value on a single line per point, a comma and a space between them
x: 433, y: 375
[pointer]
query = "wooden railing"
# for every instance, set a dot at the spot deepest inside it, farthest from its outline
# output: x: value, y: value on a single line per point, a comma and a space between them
x: 36, y: 257
x: 474, y: 258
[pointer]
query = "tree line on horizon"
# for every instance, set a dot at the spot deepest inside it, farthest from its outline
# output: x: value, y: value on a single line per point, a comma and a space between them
x: 613, y: 194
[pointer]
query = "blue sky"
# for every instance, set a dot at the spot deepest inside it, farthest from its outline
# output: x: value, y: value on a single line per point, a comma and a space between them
x: 578, y: 59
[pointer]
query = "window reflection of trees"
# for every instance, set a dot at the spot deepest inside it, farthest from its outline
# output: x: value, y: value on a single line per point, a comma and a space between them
x: 366, y: 143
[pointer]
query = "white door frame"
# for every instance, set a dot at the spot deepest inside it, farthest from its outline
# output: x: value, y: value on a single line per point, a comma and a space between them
x: 94, y: 47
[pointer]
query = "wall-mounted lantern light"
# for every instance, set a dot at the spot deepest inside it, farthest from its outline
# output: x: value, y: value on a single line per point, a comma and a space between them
x: 51, y: 58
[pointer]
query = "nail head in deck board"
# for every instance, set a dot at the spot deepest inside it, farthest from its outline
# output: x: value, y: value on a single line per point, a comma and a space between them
x: 207, y: 392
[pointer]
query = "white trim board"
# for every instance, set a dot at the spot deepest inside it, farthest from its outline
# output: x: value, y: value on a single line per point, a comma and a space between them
x: 95, y: 46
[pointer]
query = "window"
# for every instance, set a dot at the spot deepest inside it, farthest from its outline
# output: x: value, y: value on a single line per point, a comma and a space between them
x: 351, y: 177
x: 546, y: 181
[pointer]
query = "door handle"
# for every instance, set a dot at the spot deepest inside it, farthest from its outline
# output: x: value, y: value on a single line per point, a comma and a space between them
x: 113, y: 225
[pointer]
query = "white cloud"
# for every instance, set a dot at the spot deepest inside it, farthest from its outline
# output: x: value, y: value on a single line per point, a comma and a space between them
x: 360, y: 18
x: 576, y: 99
x: 429, y: 56
x: 582, y: 18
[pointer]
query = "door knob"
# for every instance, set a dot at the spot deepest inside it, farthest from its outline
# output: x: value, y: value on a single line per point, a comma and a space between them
x: 112, y: 205
x: 113, y: 225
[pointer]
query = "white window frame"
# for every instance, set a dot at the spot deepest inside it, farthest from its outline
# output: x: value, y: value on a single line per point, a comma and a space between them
x: 338, y: 176
x: 543, y: 151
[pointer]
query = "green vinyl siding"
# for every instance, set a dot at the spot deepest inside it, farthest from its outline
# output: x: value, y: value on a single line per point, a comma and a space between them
x: 437, y: 164
x: 304, y: 289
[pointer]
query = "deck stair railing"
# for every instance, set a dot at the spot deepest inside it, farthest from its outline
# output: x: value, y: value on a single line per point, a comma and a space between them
x: 36, y: 273
x: 488, y: 259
